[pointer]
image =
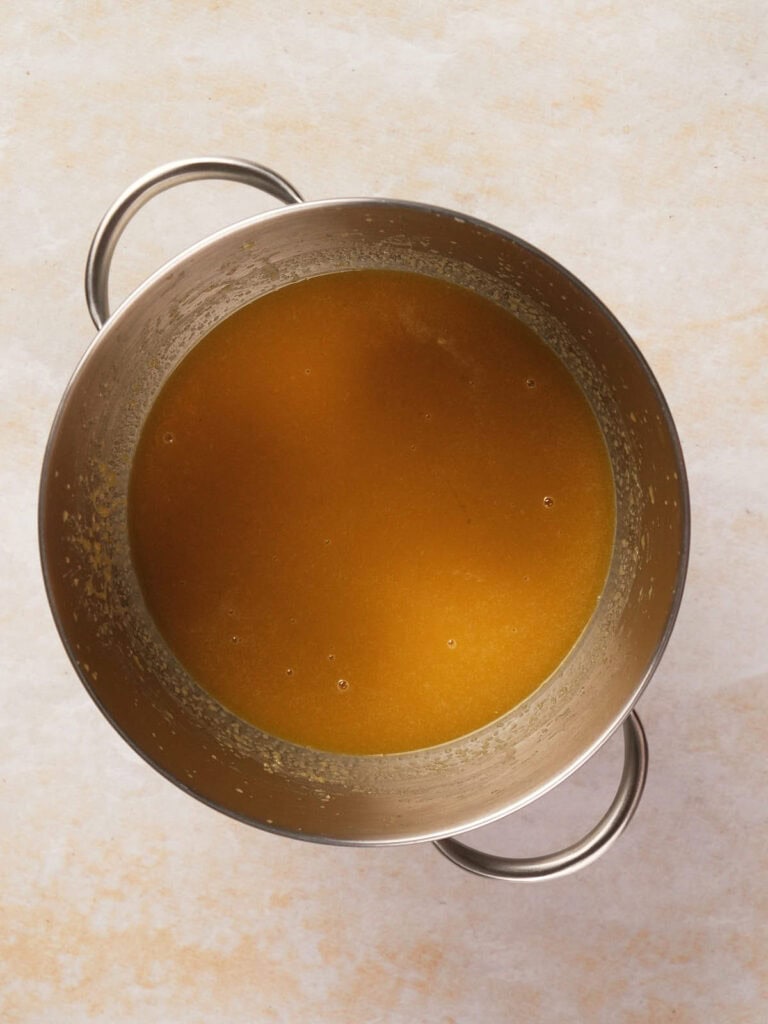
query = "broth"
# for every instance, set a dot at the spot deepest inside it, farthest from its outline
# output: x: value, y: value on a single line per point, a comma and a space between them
x: 371, y: 512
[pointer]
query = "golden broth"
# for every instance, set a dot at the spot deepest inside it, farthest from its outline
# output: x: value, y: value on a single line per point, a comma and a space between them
x: 371, y: 512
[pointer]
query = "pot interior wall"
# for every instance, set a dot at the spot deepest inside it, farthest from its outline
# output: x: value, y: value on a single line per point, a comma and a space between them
x: 189, y: 737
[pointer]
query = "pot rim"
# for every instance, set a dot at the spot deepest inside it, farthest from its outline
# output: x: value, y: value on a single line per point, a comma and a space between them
x: 301, y: 209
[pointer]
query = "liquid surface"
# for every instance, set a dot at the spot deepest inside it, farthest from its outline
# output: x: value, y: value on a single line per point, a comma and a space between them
x: 371, y: 512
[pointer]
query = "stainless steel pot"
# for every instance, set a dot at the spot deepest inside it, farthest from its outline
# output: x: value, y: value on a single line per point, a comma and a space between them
x: 146, y: 694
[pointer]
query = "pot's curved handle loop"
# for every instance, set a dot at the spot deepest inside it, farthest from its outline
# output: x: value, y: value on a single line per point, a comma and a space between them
x: 586, y: 850
x: 121, y: 212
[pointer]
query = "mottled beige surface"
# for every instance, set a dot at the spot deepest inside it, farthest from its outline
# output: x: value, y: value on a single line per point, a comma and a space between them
x: 627, y: 140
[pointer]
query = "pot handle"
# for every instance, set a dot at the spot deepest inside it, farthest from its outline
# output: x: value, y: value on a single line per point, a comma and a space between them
x: 586, y: 850
x: 130, y: 202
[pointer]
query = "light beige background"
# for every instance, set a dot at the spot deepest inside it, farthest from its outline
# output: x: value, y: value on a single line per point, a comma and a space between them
x: 628, y: 141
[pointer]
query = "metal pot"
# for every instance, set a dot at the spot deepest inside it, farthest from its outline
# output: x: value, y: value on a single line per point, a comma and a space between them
x: 134, y: 678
